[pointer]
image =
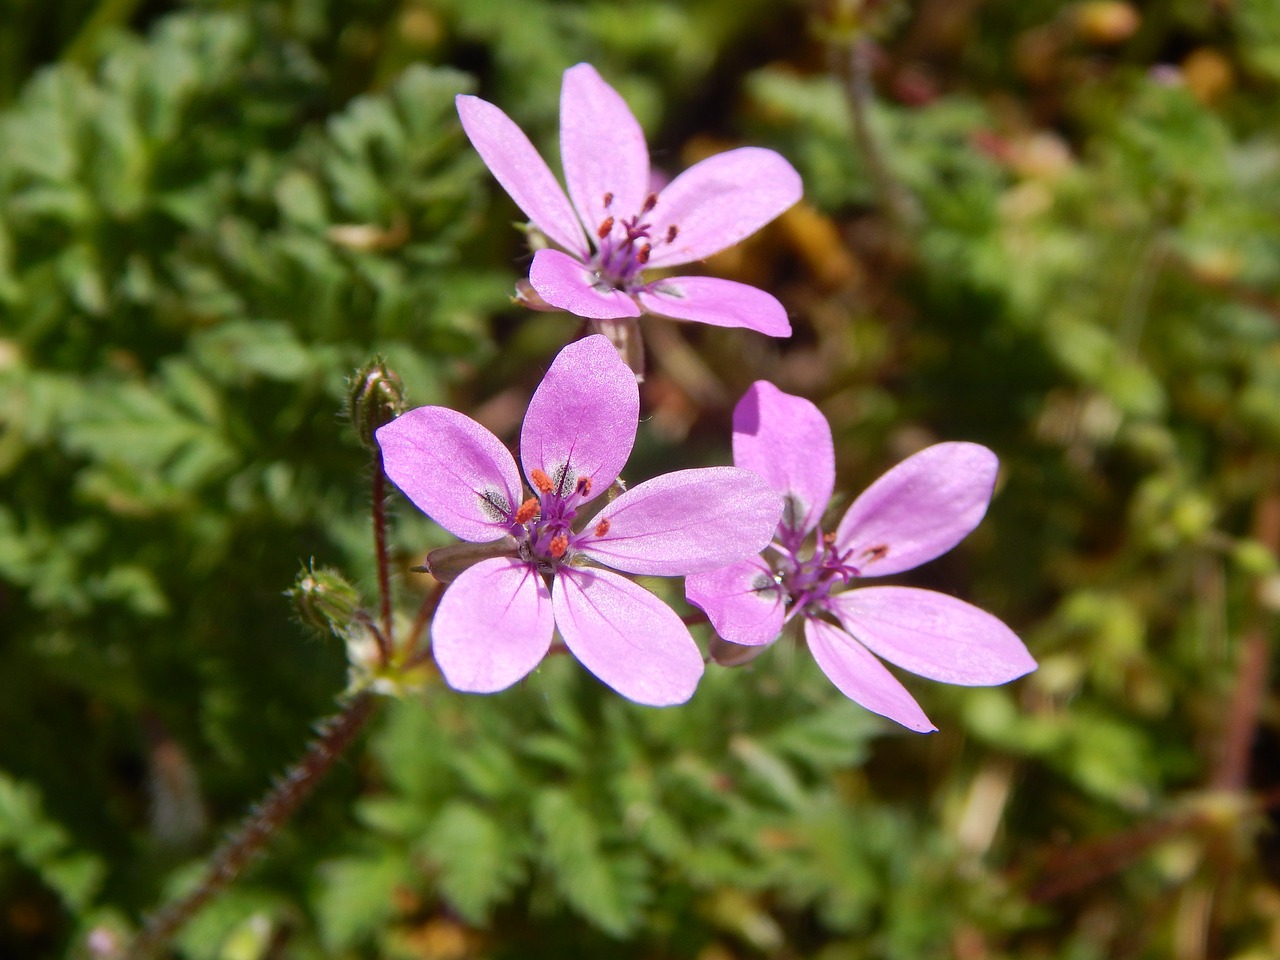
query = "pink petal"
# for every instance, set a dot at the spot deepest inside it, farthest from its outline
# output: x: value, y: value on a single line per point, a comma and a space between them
x: 626, y: 636
x: 493, y: 626
x: 570, y: 285
x: 861, y: 677
x: 719, y: 202
x: 920, y: 509
x: 454, y: 470
x: 602, y: 148
x: 515, y: 163
x: 720, y: 303
x: 583, y: 416
x: 787, y: 441
x: 685, y: 522
x: 742, y: 601
x: 933, y: 635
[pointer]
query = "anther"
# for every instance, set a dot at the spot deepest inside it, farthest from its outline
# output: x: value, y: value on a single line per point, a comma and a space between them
x: 671, y: 233
x: 559, y: 544
x: 541, y: 480
x: 605, y: 228
x: 642, y: 255
x: 583, y: 487
x: 608, y: 199
x: 528, y: 510
x: 650, y: 202
x: 876, y: 553
x: 602, y: 527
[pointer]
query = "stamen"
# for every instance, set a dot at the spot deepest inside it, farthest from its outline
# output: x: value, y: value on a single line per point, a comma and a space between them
x: 671, y: 233
x: 583, y: 487
x: 559, y: 544
x: 876, y: 553
x: 608, y: 199
x: 642, y: 255
x: 541, y: 480
x: 528, y: 510
x: 602, y: 527
x: 605, y: 228
x: 650, y: 202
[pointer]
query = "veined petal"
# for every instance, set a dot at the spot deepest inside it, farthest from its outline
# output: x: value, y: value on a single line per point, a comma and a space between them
x: 742, y: 601
x: 626, y: 636
x: 493, y: 626
x: 571, y: 285
x: 685, y: 522
x: 720, y: 303
x: 920, y: 509
x: 602, y: 147
x: 861, y: 677
x: 454, y: 470
x: 787, y: 441
x: 933, y: 635
x: 516, y: 164
x: 582, y: 419
x: 719, y: 202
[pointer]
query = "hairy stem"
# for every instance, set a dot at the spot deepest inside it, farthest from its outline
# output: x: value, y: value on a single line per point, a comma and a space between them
x: 333, y: 737
x: 386, y: 638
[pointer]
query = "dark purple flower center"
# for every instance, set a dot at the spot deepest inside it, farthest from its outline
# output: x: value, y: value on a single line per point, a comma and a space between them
x: 807, y: 582
x: 623, y: 246
x: 543, y: 526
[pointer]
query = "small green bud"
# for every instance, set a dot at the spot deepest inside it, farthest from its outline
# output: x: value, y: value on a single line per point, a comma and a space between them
x: 324, y: 600
x: 375, y: 397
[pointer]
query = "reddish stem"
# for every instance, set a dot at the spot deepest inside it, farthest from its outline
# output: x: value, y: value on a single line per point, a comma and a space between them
x: 385, y: 639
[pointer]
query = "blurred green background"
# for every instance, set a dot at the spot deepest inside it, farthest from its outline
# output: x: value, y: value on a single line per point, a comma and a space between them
x: 1047, y: 227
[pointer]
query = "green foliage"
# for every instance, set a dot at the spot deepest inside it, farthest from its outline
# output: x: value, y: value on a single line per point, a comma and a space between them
x: 211, y: 216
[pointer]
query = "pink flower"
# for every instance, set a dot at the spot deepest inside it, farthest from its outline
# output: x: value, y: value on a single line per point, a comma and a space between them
x: 610, y: 227
x: 496, y: 620
x: 917, y: 511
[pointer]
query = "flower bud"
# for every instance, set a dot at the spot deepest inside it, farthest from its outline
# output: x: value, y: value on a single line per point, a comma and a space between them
x: 324, y: 600
x: 446, y: 563
x: 375, y: 397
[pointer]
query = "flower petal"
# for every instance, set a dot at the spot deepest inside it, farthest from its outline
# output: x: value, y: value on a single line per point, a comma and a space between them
x: 626, y: 636
x: 787, y: 441
x: 742, y: 601
x: 570, y: 285
x: 493, y: 626
x: 685, y: 522
x: 720, y: 303
x: 719, y: 202
x: 861, y: 677
x: 920, y: 509
x: 516, y: 164
x: 454, y: 470
x: 602, y: 148
x: 933, y: 635
x: 582, y: 417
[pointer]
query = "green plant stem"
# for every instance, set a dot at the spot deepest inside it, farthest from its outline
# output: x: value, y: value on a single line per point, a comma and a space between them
x: 853, y: 66
x: 333, y: 737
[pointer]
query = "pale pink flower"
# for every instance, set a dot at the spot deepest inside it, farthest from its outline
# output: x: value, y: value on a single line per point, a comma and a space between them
x: 611, y: 227
x: 917, y: 511
x: 546, y: 571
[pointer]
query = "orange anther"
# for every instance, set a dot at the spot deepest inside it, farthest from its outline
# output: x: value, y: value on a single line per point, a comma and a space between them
x: 602, y: 527
x: 605, y: 228
x: 608, y: 199
x: 528, y: 510
x: 583, y: 486
x: 559, y: 544
x: 642, y: 255
x: 671, y: 233
x: 541, y: 481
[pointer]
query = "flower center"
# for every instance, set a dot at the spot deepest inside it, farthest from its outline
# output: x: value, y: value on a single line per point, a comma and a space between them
x: 809, y: 581
x: 623, y: 246
x: 543, y: 526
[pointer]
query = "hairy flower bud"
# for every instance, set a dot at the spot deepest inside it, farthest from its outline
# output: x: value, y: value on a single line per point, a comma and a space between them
x: 375, y: 397
x: 324, y: 600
